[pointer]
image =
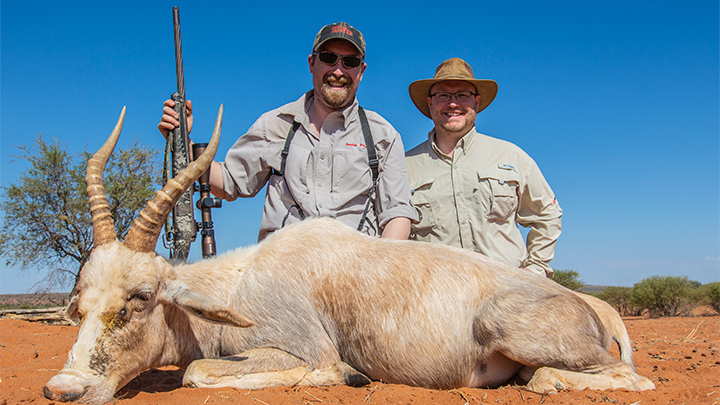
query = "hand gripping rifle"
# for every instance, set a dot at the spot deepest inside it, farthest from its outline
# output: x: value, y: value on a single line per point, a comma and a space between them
x: 181, y: 228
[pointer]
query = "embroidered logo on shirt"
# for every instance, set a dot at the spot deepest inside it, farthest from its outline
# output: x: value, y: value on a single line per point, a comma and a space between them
x: 362, y: 145
x: 507, y: 166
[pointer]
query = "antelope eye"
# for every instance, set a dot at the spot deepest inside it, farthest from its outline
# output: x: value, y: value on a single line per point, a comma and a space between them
x: 141, y: 296
x: 123, y: 312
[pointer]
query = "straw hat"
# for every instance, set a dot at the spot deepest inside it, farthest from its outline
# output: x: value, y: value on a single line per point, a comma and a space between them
x: 452, y: 69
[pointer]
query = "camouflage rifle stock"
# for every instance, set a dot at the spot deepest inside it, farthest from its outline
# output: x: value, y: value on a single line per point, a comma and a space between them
x: 181, y: 229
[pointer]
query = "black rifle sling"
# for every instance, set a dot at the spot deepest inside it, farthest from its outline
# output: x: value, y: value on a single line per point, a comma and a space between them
x: 283, y: 160
x: 286, y: 149
x: 372, y: 160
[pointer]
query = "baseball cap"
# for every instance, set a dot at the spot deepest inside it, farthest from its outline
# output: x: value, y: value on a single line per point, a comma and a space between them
x: 340, y: 30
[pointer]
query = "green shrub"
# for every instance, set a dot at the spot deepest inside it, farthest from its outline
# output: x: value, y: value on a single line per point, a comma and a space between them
x: 569, y: 279
x: 665, y: 295
x: 619, y: 298
x: 709, y: 294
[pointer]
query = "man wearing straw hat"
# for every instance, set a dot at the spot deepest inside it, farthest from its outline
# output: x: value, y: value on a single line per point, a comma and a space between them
x: 470, y: 190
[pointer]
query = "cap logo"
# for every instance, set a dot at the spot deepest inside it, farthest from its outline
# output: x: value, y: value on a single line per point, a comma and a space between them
x: 340, y: 29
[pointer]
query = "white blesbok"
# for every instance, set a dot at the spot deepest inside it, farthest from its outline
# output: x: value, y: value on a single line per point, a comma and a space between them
x: 324, y: 305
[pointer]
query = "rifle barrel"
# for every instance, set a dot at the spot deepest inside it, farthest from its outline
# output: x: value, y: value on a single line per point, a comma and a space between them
x: 178, y: 53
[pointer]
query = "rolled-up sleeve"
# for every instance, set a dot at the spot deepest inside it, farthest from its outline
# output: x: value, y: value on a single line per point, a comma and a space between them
x: 245, y: 169
x: 539, y: 211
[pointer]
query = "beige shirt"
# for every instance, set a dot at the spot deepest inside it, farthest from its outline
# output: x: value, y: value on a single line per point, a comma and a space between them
x: 327, y: 173
x: 476, y: 200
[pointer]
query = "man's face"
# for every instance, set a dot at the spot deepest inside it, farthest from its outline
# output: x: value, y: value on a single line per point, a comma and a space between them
x: 453, y: 116
x: 335, y: 86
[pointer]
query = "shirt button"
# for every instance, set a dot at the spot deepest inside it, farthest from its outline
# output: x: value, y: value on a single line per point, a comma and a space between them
x: 458, y: 193
x: 322, y: 157
x: 320, y: 205
x: 319, y: 185
x: 462, y: 222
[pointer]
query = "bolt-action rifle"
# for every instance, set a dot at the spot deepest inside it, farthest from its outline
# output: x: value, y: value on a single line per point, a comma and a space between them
x: 181, y: 228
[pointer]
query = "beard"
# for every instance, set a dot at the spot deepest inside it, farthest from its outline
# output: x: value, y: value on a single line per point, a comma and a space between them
x: 454, y: 126
x: 331, y: 95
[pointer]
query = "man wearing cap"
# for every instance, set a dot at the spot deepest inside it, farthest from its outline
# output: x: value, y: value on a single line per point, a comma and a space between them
x: 326, y: 171
x: 470, y: 190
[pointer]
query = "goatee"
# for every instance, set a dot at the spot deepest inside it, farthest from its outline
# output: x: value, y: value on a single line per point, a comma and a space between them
x: 332, y: 96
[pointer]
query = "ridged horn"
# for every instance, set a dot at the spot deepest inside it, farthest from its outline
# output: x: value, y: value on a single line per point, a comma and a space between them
x: 102, y: 222
x: 144, y: 233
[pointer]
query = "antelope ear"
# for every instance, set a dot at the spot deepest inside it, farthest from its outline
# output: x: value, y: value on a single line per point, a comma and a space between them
x: 203, y: 306
x: 71, y: 311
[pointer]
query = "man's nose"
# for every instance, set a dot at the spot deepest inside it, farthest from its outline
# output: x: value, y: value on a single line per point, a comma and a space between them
x: 337, y: 70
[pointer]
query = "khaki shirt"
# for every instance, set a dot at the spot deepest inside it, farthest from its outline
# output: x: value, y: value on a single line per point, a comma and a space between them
x: 327, y: 173
x: 476, y: 199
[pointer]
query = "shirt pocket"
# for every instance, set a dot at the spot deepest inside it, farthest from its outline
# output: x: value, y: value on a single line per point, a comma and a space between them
x: 423, y: 199
x: 350, y: 173
x: 297, y: 167
x: 503, y: 202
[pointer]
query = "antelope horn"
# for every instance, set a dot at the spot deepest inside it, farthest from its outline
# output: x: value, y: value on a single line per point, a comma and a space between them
x: 102, y: 222
x: 144, y: 233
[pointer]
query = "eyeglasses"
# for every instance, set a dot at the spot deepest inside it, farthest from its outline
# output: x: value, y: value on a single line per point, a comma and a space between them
x: 460, y: 96
x: 331, y: 58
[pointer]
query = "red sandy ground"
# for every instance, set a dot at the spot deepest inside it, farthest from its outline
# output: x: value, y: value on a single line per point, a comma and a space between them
x: 680, y: 355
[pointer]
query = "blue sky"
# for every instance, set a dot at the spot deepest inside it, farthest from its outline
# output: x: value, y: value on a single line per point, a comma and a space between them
x: 617, y: 101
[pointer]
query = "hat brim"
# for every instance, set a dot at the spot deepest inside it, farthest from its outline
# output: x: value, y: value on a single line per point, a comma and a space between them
x: 420, y: 90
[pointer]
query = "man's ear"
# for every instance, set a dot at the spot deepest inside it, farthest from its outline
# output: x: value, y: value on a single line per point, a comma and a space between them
x: 362, y: 72
x: 311, y: 61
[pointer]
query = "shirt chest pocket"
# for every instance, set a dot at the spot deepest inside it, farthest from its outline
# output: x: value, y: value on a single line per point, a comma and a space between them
x: 350, y: 171
x: 423, y: 199
x: 503, y: 195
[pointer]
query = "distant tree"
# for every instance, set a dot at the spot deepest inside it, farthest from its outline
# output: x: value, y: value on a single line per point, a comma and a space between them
x: 46, y: 219
x: 709, y: 294
x: 569, y: 279
x: 665, y: 295
x: 619, y: 298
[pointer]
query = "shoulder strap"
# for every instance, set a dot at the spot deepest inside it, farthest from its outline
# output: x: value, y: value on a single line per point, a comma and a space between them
x: 372, y: 160
x: 286, y: 149
x: 372, y: 157
x: 283, y: 159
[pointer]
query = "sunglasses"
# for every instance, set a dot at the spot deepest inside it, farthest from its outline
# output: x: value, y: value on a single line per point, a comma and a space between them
x: 331, y: 58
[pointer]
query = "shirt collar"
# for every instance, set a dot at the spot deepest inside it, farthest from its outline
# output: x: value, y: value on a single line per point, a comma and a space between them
x: 468, y: 140
x: 350, y: 112
x: 299, y: 109
x: 464, y: 143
